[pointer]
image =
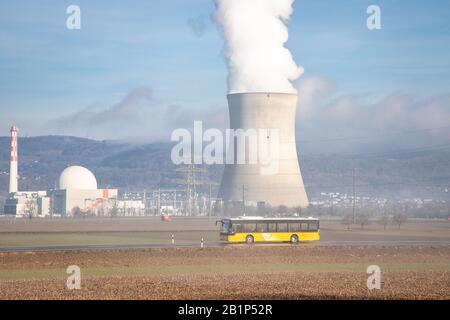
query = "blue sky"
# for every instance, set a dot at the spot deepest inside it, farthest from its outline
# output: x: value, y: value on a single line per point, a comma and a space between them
x: 48, y: 72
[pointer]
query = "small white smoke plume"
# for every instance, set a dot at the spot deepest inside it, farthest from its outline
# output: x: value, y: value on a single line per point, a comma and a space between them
x: 255, y: 32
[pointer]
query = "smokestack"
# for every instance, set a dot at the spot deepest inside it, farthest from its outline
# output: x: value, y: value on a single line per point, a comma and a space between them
x: 13, y: 171
x: 274, y: 112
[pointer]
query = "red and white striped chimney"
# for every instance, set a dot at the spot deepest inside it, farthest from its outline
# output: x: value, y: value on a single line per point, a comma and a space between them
x: 13, y: 171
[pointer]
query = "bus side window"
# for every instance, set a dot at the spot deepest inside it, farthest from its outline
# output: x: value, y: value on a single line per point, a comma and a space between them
x: 272, y: 227
x: 282, y: 227
x: 250, y: 227
x: 237, y: 228
x: 304, y: 227
x: 261, y: 227
x: 294, y: 227
x: 313, y: 227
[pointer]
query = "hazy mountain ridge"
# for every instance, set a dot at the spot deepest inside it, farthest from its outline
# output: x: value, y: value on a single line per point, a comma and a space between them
x: 403, y: 173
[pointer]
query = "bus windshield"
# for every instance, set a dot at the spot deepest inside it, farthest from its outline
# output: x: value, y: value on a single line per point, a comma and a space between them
x: 225, y: 226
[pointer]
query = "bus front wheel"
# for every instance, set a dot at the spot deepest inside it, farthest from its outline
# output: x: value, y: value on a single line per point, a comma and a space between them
x: 249, y: 239
x: 294, y: 238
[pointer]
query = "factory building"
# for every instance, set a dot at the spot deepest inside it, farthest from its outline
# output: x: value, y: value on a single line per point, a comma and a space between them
x: 131, y: 207
x: 28, y: 204
x: 23, y: 203
x: 77, y: 192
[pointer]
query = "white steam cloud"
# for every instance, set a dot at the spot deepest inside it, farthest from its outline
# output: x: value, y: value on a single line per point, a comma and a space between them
x: 255, y: 32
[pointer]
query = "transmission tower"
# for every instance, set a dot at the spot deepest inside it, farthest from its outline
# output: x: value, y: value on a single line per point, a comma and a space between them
x: 190, y: 203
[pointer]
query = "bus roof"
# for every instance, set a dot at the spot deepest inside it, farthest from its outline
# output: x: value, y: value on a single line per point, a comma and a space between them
x: 248, y: 218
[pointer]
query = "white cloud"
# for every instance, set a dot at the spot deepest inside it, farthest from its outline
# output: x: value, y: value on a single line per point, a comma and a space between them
x: 139, y: 116
x: 327, y: 121
x: 336, y: 121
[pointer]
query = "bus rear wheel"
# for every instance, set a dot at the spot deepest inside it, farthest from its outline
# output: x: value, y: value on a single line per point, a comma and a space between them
x: 294, y: 238
x: 249, y: 239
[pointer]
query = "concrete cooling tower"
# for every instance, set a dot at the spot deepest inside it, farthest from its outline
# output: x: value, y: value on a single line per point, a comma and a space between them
x: 283, y: 187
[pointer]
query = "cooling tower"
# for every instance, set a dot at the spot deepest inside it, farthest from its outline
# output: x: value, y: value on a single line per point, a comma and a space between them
x: 276, y: 113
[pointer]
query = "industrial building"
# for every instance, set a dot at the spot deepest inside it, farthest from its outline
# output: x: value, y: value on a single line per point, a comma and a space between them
x: 23, y: 203
x: 77, y: 192
x: 28, y: 204
x: 248, y: 182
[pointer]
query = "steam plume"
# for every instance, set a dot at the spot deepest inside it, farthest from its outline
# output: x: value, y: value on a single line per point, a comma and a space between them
x: 255, y: 32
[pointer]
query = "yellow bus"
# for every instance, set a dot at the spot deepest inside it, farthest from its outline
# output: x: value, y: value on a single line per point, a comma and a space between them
x: 259, y: 229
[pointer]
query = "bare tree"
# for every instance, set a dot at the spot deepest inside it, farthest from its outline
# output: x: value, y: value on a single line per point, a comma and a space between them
x: 282, y: 209
x: 30, y: 209
x: 399, y: 219
x: 269, y: 210
x: 218, y: 208
x: 250, y: 210
x: 363, y: 219
x: 297, y: 210
x: 347, y: 220
x: 76, y: 212
x: 384, y: 221
x: 114, y: 210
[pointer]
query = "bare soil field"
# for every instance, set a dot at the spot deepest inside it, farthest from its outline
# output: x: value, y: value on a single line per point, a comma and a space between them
x: 232, y: 272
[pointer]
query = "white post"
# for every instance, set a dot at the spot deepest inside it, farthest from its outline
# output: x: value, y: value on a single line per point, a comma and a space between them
x: 173, y: 239
x: 201, y: 243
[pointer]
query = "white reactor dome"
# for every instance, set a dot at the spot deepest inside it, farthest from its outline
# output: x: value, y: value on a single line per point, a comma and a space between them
x: 76, y: 177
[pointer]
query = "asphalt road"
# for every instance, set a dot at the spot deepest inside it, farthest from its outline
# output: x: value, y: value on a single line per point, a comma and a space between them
x: 220, y: 244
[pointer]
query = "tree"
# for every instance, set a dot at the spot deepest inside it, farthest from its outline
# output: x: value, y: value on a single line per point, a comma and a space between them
x: 30, y: 209
x: 347, y: 220
x: 282, y: 209
x: 269, y: 210
x: 218, y: 208
x: 384, y: 221
x: 250, y: 210
x: 76, y: 211
x: 297, y: 210
x: 363, y: 219
x: 114, y: 210
x: 399, y: 219
x: 261, y: 209
x: 266, y: 210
